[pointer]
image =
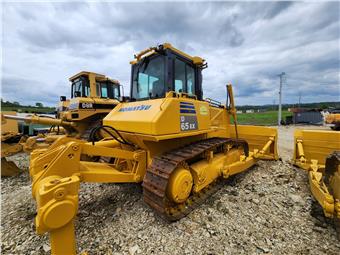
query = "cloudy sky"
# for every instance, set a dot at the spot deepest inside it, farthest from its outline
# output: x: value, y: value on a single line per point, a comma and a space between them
x: 245, y: 43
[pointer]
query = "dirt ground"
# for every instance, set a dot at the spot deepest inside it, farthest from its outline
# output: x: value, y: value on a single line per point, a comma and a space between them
x: 286, y: 139
x: 268, y: 209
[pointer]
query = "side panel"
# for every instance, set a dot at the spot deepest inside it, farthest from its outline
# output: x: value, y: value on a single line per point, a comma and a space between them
x: 159, y: 117
x: 257, y: 137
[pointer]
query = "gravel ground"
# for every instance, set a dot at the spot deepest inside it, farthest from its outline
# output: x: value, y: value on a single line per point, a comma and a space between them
x: 267, y: 209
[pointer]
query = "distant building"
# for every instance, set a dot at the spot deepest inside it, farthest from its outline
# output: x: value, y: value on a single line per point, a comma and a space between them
x: 250, y: 111
x: 307, y: 116
x: 239, y: 111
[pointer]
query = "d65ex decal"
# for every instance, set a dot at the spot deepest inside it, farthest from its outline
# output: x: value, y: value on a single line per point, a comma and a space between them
x: 188, y: 123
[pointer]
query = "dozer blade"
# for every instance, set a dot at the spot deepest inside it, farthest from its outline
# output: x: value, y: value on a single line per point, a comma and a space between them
x: 313, y: 146
x: 9, y: 168
x: 261, y: 139
x: 317, y: 151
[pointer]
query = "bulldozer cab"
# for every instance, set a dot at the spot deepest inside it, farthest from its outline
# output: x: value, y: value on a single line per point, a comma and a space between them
x: 162, y: 69
x: 88, y: 84
x: 93, y: 95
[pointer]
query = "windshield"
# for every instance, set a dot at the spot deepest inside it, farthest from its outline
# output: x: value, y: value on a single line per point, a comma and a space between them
x: 148, y: 79
x: 80, y: 88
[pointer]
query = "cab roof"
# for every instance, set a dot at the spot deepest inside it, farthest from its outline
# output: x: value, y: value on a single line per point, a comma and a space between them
x: 153, y: 50
x: 99, y: 77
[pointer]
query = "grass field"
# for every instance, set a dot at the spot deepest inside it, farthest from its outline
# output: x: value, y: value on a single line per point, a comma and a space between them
x: 261, y: 118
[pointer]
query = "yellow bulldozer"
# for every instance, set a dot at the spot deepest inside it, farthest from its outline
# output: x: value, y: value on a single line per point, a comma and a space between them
x: 333, y: 120
x: 318, y: 152
x: 93, y: 96
x: 164, y: 136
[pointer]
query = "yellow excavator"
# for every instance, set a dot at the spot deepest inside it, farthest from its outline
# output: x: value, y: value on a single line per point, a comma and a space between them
x: 164, y: 136
x: 93, y: 96
x: 318, y: 152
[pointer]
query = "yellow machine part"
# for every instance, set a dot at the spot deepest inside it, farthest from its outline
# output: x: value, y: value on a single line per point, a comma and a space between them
x: 259, y: 138
x: 9, y: 168
x: 13, y: 143
x: 333, y: 120
x: 9, y: 126
x: 131, y: 163
x: 9, y: 130
x: 86, y: 109
x: 177, y: 146
x: 315, y: 151
x: 313, y: 146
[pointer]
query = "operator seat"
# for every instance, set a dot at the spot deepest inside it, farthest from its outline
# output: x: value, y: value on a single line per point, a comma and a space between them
x: 157, y: 89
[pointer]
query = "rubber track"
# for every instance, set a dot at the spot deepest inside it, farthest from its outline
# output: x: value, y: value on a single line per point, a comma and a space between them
x: 157, y: 176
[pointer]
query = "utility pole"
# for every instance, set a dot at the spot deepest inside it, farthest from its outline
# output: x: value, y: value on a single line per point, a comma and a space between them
x: 280, y: 98
x: 300, y: 99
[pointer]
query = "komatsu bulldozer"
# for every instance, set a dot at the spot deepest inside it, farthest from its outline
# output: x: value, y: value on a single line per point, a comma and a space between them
x: 93, y: 96
x: 318, y: 152
x: 165, y: 136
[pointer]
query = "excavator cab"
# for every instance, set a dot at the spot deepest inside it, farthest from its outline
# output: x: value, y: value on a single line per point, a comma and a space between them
x: 163, y: 69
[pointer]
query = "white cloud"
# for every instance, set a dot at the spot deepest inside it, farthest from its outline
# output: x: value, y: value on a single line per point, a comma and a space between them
x: 247, y: 44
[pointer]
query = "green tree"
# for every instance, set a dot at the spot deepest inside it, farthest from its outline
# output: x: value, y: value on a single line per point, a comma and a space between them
x: 39, y: 105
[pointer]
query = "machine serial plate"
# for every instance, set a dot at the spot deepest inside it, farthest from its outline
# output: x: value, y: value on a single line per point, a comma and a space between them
x: 188, y: 123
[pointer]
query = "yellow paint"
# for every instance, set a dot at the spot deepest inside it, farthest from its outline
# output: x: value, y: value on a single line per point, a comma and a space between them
x: 73, y: 119
x: 8, y: 125
x: 204, y: 110
x: 152, y: 50
x: 180, y: 185
x: 152, y: 127
x: 312, y: 147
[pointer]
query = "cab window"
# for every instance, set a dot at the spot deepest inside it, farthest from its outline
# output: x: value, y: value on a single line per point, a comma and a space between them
x: 80, y: 87
x: 116, y: 93
x: 179, y: 76
x: 102, y: 90
x: 190, y: 73
x: 148, y: 79
x: 107, y: 89
x: 76, y: 88
x: 184, y: 77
